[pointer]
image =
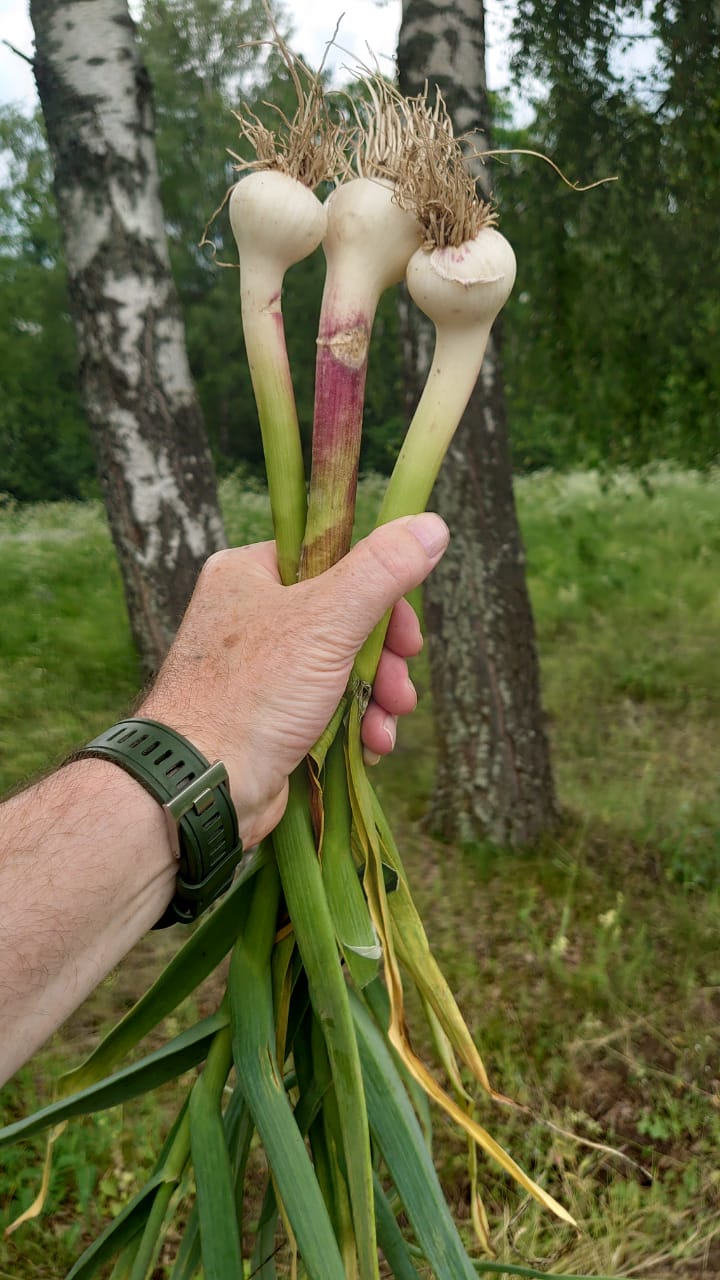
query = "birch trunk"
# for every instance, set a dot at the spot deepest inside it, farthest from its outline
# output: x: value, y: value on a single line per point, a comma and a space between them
x: 154, y: 464
x: 494, y: 777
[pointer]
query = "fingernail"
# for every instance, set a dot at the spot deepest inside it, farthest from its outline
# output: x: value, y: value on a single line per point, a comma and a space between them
x: 370, y: 757
x: 431, y: 532
x: 390, y: 728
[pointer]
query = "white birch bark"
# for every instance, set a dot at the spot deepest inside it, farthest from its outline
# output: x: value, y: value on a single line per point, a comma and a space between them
x: 153, y: 459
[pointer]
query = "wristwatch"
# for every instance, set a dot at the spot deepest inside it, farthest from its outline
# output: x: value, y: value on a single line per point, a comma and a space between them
x: 195, y: 797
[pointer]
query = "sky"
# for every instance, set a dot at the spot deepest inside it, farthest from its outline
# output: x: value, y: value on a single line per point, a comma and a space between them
x: 364, y: 23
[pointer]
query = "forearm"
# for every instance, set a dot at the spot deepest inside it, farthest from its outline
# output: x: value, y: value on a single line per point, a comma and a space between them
x: 86, y: 869
x: 252, y: 679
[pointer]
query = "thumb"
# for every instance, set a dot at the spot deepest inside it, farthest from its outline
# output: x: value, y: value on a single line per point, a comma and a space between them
x: 380, y: 569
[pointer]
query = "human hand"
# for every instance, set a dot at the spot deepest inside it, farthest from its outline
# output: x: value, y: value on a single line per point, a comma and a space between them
x: 257, y: 669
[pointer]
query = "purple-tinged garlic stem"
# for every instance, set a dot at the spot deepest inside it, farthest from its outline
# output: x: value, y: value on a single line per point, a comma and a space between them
x: 368, y: 244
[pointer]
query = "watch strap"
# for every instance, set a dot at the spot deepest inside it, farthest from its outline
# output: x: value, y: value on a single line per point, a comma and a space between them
x: 196, y: 800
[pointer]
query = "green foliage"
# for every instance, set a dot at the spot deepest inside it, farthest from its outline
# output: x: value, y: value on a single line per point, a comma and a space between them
x: 91, y: 1179
x: 623, y: 585
x: 66, y: 668
x: 613, y: 328
x: 45, y: 449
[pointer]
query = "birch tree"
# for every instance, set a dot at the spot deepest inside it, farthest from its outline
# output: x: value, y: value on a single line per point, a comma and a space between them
x: 494, y: 778
x: 154, y: 464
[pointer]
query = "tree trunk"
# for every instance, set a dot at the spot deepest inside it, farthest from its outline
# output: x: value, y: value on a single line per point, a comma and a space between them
x: 154, y: 464
x: 494, y: 778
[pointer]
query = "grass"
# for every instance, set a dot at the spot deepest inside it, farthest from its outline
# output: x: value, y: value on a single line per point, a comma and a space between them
x: 589, y: 968
x: 626, y: 592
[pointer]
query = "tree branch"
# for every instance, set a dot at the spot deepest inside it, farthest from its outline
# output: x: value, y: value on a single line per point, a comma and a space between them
x: 20, y: 54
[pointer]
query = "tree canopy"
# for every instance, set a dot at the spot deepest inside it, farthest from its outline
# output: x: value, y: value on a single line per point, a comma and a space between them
x: 45, y: 449
x: 614, y: 325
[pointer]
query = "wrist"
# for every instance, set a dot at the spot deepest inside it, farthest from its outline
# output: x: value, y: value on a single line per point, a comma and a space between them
x: 254, y: 806
x: 194, y: 798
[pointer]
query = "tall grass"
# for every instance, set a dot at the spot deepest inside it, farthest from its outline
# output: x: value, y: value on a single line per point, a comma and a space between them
x: 624, y: 579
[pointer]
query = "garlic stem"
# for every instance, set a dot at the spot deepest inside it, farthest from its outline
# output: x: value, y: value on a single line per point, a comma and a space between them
x: 461, y: 290
x: 276, y: 222
x: 367, y: 246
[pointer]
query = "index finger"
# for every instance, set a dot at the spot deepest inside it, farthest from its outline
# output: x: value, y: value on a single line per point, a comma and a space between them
x: 263, y: 555
x: 404, y: 636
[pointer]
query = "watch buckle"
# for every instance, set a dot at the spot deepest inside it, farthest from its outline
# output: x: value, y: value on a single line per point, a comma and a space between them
x: 197, y: 795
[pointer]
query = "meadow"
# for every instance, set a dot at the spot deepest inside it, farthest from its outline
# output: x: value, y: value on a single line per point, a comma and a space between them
x: 588, y: 967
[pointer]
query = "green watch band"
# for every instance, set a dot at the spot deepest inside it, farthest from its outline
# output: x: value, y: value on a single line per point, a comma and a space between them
x: 196, y: 799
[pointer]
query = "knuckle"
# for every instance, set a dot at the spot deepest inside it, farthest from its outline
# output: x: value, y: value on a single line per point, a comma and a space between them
x: 389, y: 562
x: 217, y: 563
